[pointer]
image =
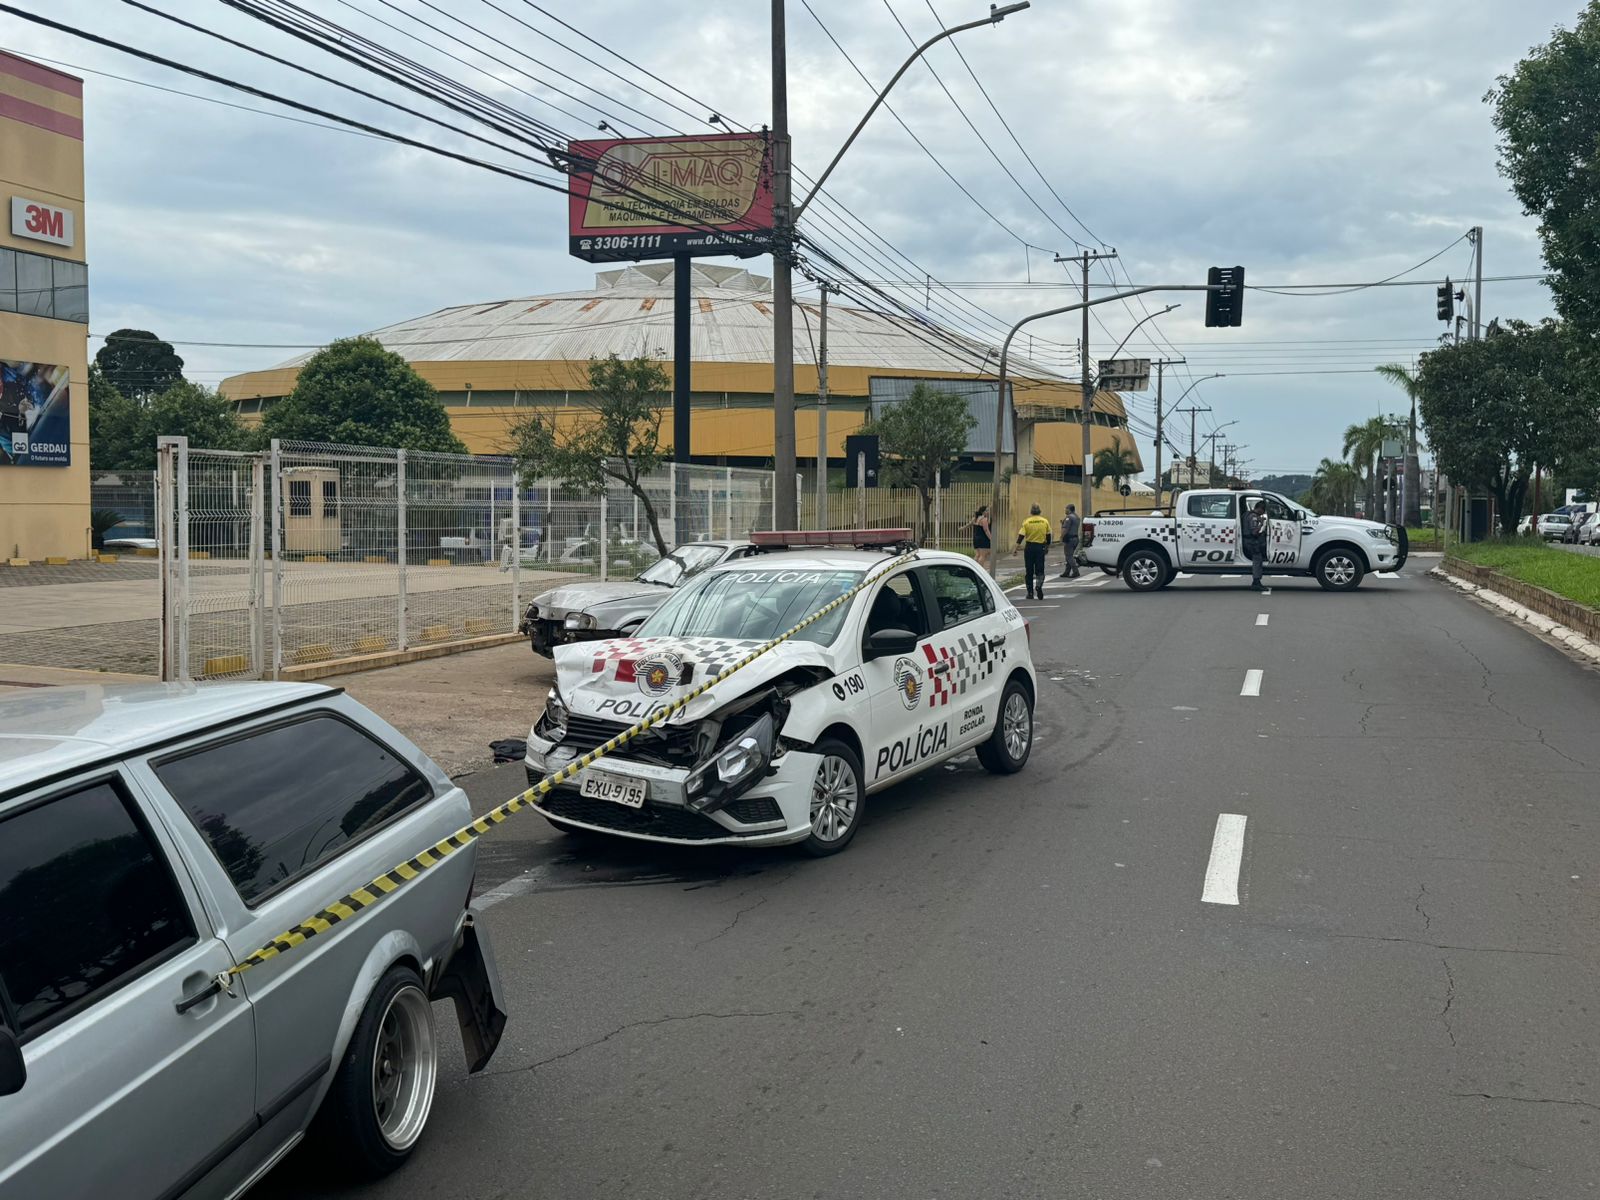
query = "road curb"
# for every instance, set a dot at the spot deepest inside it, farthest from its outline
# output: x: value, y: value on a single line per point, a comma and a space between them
x: 1567, y: 637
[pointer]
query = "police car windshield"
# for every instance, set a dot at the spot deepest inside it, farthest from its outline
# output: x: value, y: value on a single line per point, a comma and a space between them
x: 682, y: 562
x: 754, y: 605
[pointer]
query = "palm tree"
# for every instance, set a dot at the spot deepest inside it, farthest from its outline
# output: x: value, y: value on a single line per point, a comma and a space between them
x: 1333, y: 487
x: 1403, y: 379
x: 1362, y: 444
x: 1115, y: 464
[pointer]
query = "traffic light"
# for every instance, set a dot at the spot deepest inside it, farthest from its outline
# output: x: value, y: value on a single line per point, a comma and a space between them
x: 1446, y: 304
x: 1225, y: 299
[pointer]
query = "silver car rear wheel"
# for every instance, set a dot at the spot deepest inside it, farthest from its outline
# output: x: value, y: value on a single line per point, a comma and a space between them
x: 405, y: 1068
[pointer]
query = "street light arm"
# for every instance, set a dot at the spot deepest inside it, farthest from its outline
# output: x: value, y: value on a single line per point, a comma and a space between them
x: 996, y: 15
x: 1141, y: 321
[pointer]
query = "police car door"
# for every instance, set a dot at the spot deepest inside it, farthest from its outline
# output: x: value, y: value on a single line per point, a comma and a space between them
x: 899, y: 736
x: 1283, y: 532
x: 1208, y: 531
x: 964, y: 654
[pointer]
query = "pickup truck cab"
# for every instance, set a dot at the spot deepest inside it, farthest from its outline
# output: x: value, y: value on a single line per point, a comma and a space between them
x: 1204, y: 534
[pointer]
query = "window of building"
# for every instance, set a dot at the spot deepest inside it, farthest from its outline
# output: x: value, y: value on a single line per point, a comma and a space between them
x: 8, y: 280
x: 36, y: 285
x: 959, y: 594
x: 87, y: 903
x: 299, y: 497
x: 275, y: 803
x: 1212, y: 507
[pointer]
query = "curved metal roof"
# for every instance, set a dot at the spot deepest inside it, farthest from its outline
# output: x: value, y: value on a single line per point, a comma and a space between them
x: 629, y: 312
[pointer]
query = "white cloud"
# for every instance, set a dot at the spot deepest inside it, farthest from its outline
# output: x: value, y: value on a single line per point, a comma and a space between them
x: 1329, y: 143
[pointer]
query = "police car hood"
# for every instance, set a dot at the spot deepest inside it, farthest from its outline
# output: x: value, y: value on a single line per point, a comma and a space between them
x: 576, y: 597
x: 1352, y: 523
x: 628, y: 678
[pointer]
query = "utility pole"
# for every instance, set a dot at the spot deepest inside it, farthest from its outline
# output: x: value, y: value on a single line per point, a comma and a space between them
x: 1161, y: 364
x: 1477, y: 282
x: 822, y: 412
x: 785, y: 505
x: 1194, y: 411
x: 1086, y: 259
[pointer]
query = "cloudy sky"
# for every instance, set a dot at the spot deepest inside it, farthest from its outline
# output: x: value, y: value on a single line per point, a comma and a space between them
x: 1314, y: 144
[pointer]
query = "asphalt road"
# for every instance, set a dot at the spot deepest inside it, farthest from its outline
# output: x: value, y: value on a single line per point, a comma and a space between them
x: 1015, y: 989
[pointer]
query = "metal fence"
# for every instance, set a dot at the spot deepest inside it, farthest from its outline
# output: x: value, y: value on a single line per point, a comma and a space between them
x: 312, y: 553
x: 129, y: 494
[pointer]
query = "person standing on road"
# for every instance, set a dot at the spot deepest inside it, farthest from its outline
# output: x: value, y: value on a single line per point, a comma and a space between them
x: 1069, y: 538
x: 1034, y: 538
x: 1255, y: 541
x: 980, y: 536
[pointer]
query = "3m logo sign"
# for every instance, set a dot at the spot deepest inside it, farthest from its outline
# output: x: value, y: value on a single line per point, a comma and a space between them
x: 40, y: 221
x: 46, y: 222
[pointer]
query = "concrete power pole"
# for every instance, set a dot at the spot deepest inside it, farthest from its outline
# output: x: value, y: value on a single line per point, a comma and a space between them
x: 1477, y: 282
x: 1194, y: 412
x: 822, y: 412
x: 1086, y: 417
x: 785, y: 501
x: 1161, y: 364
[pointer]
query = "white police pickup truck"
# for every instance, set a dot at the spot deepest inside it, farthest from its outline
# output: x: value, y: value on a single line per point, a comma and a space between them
x: 1204, y: 536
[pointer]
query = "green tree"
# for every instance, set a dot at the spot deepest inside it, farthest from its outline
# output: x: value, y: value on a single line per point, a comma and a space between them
x: 1494, y: 408
x: 1333, y: 488
x: 919, y: 438
x: 356, y: 393
x: 123, y: 432
x: 1406, y: 381
x: 1362, y: 443
x: 138, y: 363
x: 1547, y: 112
x: 617, y: 440
x: 1115, y: 464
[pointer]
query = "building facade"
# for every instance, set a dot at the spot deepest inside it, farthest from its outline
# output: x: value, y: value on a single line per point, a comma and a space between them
x: 493, y: 361
x: 44, y: 315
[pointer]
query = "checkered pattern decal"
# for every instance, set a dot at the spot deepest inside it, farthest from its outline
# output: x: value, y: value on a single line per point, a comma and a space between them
x: 1211, y: 533
x: 965, y: 665
x: 1165, y: 533
x: 708, y: 656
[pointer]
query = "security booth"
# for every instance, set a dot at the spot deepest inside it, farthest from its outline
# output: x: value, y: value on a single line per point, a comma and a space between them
x: 311, y: 511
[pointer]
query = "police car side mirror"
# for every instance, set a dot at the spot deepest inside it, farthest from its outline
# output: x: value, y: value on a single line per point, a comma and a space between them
x: 13, y: 1070
x: 884, y: 642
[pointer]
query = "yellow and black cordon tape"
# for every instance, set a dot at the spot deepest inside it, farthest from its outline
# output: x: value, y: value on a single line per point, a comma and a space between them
x: 395, y: 879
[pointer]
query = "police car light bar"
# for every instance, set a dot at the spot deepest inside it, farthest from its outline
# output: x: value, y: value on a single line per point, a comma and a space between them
x: 861, y: 539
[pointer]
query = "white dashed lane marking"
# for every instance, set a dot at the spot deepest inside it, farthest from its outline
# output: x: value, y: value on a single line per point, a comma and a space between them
x: 1252, y: 682
x: 1227, y: 853
x: 1261, y: 618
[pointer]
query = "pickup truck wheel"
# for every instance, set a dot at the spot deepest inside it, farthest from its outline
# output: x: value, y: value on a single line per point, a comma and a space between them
x: 379, y: 1102
x: 1338, y: 570
x: 1006, y: 751
x: 1144, y: 570
x: 1112, y: 570
x: 838, y: 799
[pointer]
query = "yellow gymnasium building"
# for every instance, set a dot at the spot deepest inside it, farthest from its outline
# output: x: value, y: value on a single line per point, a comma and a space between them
x: 492, y: 360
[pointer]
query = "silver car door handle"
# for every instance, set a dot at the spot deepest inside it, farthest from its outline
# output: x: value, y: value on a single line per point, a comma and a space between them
x: 938, y: 668
x: 211, y: 989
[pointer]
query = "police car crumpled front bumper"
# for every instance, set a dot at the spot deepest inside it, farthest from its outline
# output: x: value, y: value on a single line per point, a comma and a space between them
x: 682, y: 805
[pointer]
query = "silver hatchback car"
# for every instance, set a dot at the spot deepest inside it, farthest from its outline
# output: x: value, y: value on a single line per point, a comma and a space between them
x: 151, y: 838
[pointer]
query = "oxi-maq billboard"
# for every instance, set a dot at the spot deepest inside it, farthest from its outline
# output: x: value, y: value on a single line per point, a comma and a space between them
x: 658, y: 197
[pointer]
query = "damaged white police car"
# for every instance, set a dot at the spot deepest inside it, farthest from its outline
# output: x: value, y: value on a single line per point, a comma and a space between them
x: 927, y: 661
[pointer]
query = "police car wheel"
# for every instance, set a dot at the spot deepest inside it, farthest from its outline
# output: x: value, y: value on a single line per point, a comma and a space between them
x: 838, y: 799
x: 1339, y: 570
x: 1006, y: 752
x: 1111, y: 570
x: 1143, y: 571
